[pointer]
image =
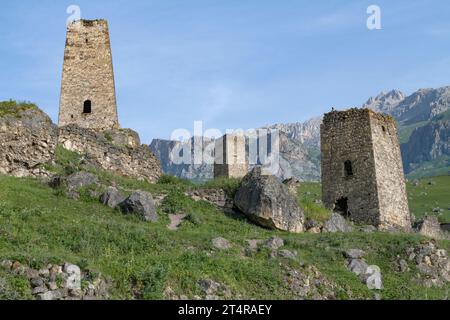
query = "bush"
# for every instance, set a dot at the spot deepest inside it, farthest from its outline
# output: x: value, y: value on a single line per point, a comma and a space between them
x: 229, y: 185
x: 13, y: 107
x: 171, y: 180
x: 176, y: 201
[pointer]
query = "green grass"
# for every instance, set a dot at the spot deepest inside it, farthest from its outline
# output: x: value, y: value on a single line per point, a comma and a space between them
x: 308, y: 195
x: 14, y: 108
x: 230, y: 185
x: 38, y: 226
x: 405, y: 131
x: 425, y: 197
x: 438, y: 167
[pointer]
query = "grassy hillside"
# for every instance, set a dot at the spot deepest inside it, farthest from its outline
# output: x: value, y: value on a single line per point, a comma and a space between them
x: 39, y: 225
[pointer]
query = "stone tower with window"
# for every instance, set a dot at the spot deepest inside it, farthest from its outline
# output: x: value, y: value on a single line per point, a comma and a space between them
x: 88, y: 97
x: 230, y: 158
x: 362, y: 171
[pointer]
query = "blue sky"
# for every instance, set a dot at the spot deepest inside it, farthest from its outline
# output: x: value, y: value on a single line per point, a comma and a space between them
x: 231, y: 63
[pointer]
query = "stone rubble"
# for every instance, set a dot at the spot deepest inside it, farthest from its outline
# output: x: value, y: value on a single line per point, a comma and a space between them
x: 60, y: 282
x: 370, y: 275
x: 431, y: 263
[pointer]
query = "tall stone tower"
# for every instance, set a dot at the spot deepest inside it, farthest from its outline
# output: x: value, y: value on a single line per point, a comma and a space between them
x: 88, y: 97
x: 362, y: 171
x: 230, y: 157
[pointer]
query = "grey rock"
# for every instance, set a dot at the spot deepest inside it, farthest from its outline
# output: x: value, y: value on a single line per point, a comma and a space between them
x: 267, y: 202
x: 403, y: 266
x: 39, y: 290
x: 274, y: 243
x: 37, y: 282
x: 354, y: 254
x: 141, y: 204
x: 431, y: 228
x: 52, y: 295
x: 372, y: 278
x: 6, y: 264
x: 369, y: 229
x: 112, y: 197
x: 73, y: 281
x: 221, y: 243
x: 358, y: 266
x: 81, y: 179
x: 287, y: 254
x: 212, y: 289
x: 337, y: 223
x: 292, y: 184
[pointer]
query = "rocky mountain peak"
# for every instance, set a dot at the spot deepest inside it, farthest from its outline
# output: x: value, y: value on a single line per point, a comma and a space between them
x: 385, y: 101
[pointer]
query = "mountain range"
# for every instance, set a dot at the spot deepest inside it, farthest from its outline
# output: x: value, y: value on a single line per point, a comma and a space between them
x: 423, y: 125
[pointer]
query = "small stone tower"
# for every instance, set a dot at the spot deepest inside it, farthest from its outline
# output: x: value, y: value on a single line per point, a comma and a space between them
x: 230, y: 157
x: 362, y: 171
x: 88, y: 97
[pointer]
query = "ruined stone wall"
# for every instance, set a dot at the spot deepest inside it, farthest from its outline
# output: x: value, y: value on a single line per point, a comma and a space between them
x: 88, y: 76
x: 375, y: 189
x: 346, y: 136
x: 27, y: 142
x: 118, y: 151
x: 392, y: 197
x: 230, y: 157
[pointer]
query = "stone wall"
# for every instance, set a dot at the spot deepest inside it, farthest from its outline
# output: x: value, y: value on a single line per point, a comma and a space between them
x: 88, y: 76
x: 118, y: 151
x: 392, y: 197
x: 27, y: 142
x: 230, y: 157
x: 361, y: 168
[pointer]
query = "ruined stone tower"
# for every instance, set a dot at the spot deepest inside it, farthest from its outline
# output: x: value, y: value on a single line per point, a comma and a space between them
x: 230, y: 157
x: 88, y: 97
x: 362, y: 171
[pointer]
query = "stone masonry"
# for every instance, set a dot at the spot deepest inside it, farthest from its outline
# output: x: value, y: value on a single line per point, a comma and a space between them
x: 230, y: 157
x: 362, y: 171
x: 88, y: 96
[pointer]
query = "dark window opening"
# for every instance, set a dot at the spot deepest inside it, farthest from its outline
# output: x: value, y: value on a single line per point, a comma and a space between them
x: 87, y: 41
x: 384, y: 128
x: 348, y: 168
x: 87, y: 107
x: 71, y: 116
x: 341, y: 207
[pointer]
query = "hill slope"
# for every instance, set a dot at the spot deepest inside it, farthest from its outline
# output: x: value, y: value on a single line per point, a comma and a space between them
x: 142, y: 260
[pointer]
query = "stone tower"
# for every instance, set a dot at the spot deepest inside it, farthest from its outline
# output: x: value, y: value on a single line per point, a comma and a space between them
x: 88, y: 97
x: 230, y: 157
x: 362, y: 171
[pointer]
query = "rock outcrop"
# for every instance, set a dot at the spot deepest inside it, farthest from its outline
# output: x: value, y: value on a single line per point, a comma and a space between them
x: 268, y: 202
x: 118, y: 151
x: 431, y: 228
x: 27, y: 140
x: 140, y: 203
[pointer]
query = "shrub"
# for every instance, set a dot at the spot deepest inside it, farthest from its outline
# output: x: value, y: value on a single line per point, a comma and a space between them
x: 229, y: 185
x: 176, y: 201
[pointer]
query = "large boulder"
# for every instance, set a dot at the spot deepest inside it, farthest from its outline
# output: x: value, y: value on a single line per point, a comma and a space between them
x: 79, y: 180
x: 337, y: 223
x: 431, y: 228
x: 112, y: 197
x: 268, y: 202
x: 141, y: 204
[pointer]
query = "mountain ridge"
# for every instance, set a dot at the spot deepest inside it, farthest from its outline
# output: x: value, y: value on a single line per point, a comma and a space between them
x: 417, y: 114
